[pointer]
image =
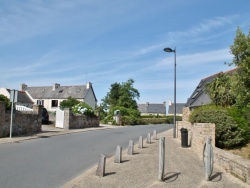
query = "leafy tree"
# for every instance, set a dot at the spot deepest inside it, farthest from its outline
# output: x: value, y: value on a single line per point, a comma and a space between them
x: 220, y: 90
x: 241, y: 52
x: 122, y: 95
x: 69, y: 103
x: 6, y: 100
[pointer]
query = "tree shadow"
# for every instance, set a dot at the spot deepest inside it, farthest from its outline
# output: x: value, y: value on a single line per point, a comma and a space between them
x: 171, y: 176
x: 216, y: 177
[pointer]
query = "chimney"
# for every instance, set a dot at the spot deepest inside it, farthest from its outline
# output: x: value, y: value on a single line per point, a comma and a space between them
x: 164, y: 103
x: 55, y: 86
x: 88, y: 85
x: 23, y: 87
x: 147, y: 103
x: 170, y: 103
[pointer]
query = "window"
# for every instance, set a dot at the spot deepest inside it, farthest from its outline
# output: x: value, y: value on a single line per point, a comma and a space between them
x: 54, y: 103
x: 40, y: 102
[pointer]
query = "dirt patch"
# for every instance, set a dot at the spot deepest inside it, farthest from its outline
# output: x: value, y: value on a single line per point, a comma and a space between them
x: 243, y: 152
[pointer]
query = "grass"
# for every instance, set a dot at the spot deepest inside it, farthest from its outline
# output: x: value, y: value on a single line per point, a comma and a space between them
x: 243, y: 152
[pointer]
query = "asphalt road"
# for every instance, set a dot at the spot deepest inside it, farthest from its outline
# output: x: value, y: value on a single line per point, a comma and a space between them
x: 53, y: 161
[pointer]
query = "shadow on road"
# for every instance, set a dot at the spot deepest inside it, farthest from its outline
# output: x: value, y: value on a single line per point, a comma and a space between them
x: 216, y: 177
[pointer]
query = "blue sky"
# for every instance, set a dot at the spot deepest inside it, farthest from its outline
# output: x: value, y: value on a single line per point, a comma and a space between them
x: 106, y: 41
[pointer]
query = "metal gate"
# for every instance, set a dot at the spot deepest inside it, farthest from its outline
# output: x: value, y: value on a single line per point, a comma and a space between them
x: 59, y: 118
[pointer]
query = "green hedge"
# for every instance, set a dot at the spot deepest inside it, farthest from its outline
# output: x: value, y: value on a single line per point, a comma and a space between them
x: 227, y: 132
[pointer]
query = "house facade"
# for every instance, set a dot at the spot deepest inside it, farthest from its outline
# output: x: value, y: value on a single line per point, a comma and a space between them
x: 152, y: 109
x: 51, y: 96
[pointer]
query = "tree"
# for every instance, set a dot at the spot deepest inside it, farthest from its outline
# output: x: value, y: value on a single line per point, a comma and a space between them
x: 241, y: 52
x: 220, y: 90
x: 69, y: 103
x: 124, y: 95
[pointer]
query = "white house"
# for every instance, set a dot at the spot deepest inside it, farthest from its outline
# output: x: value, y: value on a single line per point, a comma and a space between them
x: 51, y: 96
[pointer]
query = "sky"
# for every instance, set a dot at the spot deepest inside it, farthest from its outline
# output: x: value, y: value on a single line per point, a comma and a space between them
x: 43, y: 42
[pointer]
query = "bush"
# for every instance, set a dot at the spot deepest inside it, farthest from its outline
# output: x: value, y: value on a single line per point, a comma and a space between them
x: 6, y: 100
x: 69, y: 103
x: 170, y: 119
x: 128, y: 120
x: 227, y: 133
x: 83, y: 108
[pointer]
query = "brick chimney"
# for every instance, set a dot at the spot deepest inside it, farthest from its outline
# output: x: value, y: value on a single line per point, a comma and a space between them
x: 88, y: 85
x: 55, y: 86
x: 23, y: 87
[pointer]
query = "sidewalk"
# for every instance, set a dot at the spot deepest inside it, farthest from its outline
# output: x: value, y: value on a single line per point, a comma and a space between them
x: 51, y: 130
x: 183, y: 168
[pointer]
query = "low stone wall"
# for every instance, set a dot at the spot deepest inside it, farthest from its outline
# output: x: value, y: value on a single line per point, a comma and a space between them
x: 234, y: 164
x: 72, y: 121
x: 197, y: 132
x: 23, y: 122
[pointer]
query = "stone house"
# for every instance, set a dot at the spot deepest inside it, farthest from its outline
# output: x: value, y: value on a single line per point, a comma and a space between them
x: 51, y: 96
x: 152, y: 109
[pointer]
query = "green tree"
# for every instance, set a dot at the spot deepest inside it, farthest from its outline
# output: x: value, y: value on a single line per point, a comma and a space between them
x: 220, y: 90
x: 69, y: 103
x: 124, y: 95
x: 241, y: 52
x: 6, y: 100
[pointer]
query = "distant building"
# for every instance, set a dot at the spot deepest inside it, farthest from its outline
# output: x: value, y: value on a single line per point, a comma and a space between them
x: 179, y: 107
x: 152, y: 109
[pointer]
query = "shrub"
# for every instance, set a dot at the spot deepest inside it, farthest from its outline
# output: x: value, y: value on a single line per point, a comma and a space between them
x: 170, y: 119
x: 83, y: 108
x: 69, y: 103
x: 227, y: 133
x: 6, y: 100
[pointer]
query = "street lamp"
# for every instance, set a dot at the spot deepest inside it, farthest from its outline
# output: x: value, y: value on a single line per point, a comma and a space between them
x: 171, y: 50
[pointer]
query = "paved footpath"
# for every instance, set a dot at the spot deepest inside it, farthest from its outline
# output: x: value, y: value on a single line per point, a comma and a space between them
x: 183, y: 168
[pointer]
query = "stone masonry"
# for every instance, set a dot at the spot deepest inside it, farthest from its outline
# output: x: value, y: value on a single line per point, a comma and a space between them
x: 23, y: 122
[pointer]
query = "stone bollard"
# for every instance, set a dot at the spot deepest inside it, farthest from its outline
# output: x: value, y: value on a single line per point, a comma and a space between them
x: 131, y: 147
x: 118, y: 154
x: 140, y: 145
x: 149, y: 138
x: 155, y: 135
x: 161, y: 158
x: 208, y: 158
x: 101, y: 166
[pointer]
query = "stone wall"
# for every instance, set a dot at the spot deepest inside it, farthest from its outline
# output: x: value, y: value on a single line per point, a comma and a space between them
x: 72, y: 121
x: 23, y: 122
x: 197, y: 132
x: 185, y: 113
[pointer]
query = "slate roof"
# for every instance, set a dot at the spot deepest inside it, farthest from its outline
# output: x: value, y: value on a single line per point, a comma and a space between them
x: 23, y: 97
x: 61, y: 92
x: 179, y: 107
x: 152, y: 108
x: 199, y: 96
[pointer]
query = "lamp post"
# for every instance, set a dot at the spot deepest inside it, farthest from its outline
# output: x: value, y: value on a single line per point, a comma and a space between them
x: 171, y: 50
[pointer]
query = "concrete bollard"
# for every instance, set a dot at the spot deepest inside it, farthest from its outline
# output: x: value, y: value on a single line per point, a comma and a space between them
x: 208, y: 158
x: 140, y: 145
x: 155, y: 135
x: 131, y: 147
x: 149, y: 138
x: 101, y: 166
x: 161, y: 158
x: 118, y: 154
